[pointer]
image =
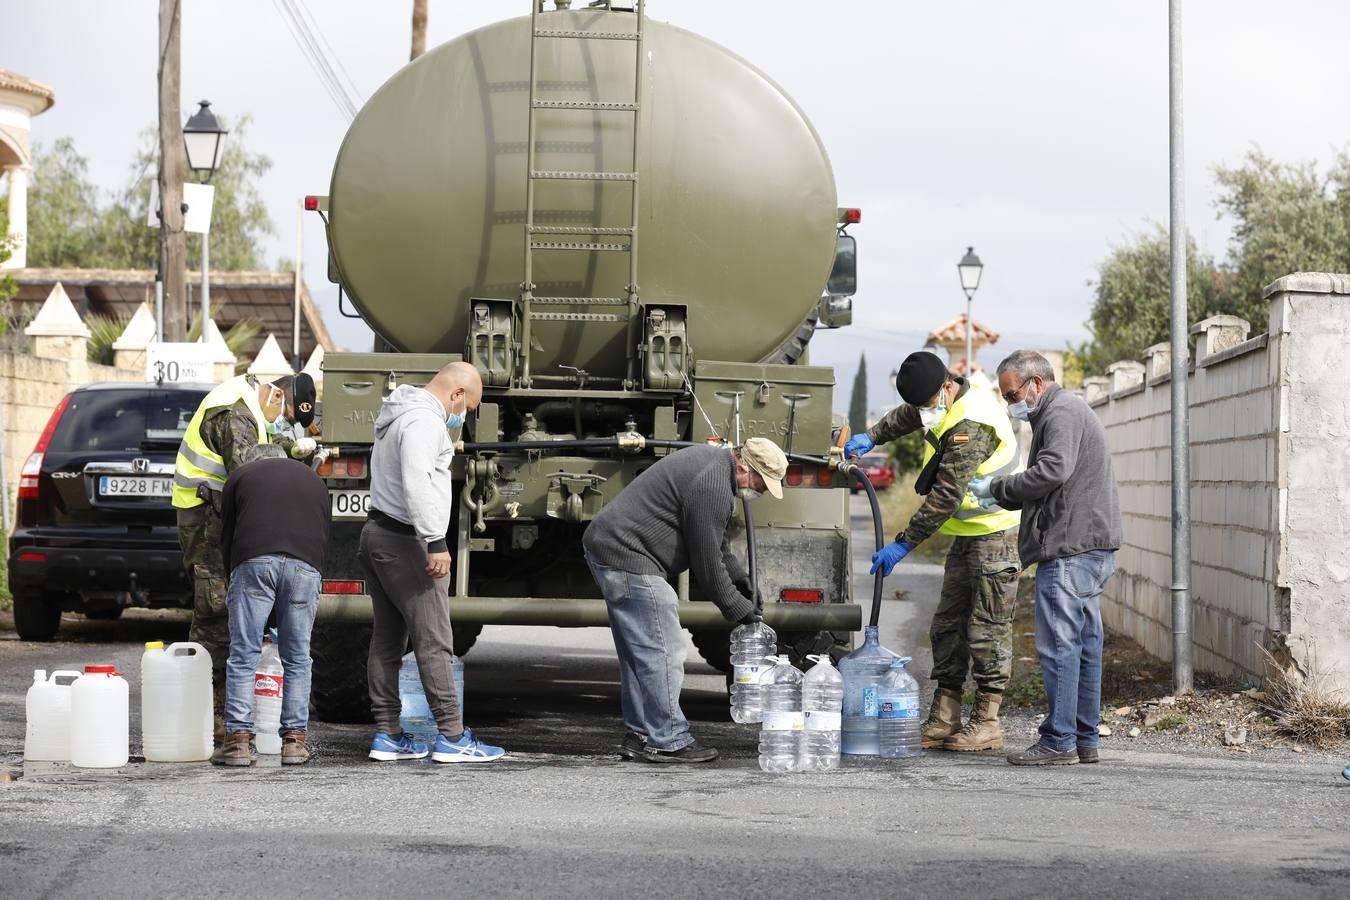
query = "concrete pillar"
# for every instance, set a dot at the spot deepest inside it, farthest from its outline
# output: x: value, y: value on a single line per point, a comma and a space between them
x: 59, y: 333
x: 1095, y: 387
x: 1157, y: 361
x: 270, y: 362
x: 129, y: 348
x: 314, y: 369
x: 1125, y: 374
x: 223, y: 359
x: 17, y: 233
x: 1219, y: 333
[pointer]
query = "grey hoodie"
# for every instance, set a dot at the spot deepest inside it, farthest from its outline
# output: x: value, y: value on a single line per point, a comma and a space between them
x: 410, y: 464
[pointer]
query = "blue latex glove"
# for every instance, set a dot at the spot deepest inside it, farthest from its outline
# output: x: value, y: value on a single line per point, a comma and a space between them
x: 887, y: 557
x: 979, y: 488
x: 858, y: 445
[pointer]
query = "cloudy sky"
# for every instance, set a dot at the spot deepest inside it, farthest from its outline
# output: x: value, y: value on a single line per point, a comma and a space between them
x: 1035, y: 130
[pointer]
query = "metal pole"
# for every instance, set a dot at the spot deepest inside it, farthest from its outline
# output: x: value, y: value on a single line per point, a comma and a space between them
x: 1181, y: 474
x: 159, y: 310
x: 300, y: 249
x: 970, y: 335
x: 206, y: 279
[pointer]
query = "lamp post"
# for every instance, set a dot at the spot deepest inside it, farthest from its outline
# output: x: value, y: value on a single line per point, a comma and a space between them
x: 204, y: 140
x: 970, y: 268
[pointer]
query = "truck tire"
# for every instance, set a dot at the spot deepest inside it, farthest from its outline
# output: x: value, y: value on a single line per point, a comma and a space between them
x: 465, y: 636
x: 338, y: 691
x: 714, y: 645
x: 37, y: 615
x: 792, y: 349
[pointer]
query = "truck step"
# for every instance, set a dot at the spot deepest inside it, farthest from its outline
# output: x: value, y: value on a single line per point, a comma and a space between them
x: 589, y: 35
x: 579, y: 245
x: 576, y: 317
x: 585, y: 104
x: 581, y: 301
x: 584, y: 176
x: 577, y: 229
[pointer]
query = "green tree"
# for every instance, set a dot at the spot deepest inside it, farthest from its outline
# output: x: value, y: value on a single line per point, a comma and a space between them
x: 857, y: 401
x: 69, y: 226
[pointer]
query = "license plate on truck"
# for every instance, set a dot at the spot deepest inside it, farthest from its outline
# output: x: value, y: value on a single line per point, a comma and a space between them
x: 350, y: 504
x: 134, y: 486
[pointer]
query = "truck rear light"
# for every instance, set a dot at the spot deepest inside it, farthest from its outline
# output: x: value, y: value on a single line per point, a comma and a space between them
x: 801, y: 595
x: 32, y: 557
x: 343, y: 468
x: 343, y: 587
x: 356, y: 467
x: 29, y: 480
x: 853, y: 216
x: 825, y: 478
x: 809, y: 475
x: 794, y: 476
x: 311, y: 202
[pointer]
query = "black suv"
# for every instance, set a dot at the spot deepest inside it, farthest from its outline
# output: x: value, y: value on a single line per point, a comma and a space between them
x: 95, y: 530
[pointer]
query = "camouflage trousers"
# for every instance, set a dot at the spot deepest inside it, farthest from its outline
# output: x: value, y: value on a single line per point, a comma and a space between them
x: 972, y: 627
x: 199, y: 536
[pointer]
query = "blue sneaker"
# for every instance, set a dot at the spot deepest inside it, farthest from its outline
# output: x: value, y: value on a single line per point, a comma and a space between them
x: 467, y: 749
x: 386, y: 749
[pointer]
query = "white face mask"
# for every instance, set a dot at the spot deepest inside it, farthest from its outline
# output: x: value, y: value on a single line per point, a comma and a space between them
x: 1022, y: 409
x: 932, y: 416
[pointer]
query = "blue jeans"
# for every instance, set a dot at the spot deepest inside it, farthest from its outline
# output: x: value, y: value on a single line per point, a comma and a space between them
x: 256, y: 586
x: 1069, y: 643
x: 644, y: 616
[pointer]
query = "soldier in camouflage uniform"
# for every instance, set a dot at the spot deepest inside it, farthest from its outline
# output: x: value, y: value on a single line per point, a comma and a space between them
x: 967, y: 434
x: 213, y: 448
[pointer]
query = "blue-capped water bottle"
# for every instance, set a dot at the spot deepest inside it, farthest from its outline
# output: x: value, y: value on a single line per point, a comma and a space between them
x: 898, y: 712
x: 863, y: 670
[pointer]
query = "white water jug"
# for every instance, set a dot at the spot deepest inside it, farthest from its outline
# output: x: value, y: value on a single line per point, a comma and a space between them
x: 47, y: 737
x: 99, y: 716
x: 176, y: 702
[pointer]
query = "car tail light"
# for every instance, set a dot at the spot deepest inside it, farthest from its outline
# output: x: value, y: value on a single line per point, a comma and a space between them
x: 343, y: 587
x: 29, y: 475
x: 32, y: 557
x: 801, y: 595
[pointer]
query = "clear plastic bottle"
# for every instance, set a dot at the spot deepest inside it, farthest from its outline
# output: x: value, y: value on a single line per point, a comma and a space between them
x: 863, y: 670
x: 781, y: 732
x: 898, y: 712
x: 750, y: 645
x: 268, y: 685
x: 822, y: 702
x: 415, y: 713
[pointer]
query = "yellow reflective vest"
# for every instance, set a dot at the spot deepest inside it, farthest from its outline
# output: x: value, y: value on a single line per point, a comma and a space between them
x: 977, y: 404
x: 197, y: 463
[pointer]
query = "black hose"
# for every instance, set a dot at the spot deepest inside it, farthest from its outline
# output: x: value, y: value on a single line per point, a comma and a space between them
x: 750, y: 553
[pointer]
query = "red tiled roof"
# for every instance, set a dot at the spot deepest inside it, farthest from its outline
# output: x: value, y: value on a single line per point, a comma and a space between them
x: 955, y: 331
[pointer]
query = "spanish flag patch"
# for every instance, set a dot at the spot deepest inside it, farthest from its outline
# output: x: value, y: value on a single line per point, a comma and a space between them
x: 960, y: 438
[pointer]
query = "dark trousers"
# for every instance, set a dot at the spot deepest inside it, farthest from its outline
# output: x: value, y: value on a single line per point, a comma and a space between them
x: 408, y: 603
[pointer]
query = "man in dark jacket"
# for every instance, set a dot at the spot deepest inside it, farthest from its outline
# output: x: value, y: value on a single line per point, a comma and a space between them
x: 1070, y: 531
x: 274, y: 533
x: 673, y: 517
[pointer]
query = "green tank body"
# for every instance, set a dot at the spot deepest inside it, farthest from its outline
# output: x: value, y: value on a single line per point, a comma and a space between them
x: 737, y: 212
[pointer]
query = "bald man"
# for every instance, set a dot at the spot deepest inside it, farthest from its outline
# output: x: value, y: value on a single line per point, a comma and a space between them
x: 407, y: 562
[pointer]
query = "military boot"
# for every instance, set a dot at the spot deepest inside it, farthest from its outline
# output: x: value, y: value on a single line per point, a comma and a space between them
x: 982, y: 731
x: 944, y: 718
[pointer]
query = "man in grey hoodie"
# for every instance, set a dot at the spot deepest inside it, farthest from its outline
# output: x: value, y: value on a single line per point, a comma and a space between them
x: 407, y: 562
x: 1071, y: 531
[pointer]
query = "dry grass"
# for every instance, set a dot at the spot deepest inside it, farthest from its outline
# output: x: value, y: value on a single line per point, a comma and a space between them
x: 1304, y: 709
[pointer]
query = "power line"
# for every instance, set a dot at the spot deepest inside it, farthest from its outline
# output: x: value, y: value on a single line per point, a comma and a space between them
x: 356, y: 92
x: 314, y: 55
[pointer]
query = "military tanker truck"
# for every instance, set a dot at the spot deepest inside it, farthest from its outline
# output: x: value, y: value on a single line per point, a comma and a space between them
x: 632, y: 233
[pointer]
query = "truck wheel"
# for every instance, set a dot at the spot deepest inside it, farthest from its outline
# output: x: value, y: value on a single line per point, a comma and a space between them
x: 465, y: 636
x: 37, y: 615
x: 714, y: 645
x: 338, y: 691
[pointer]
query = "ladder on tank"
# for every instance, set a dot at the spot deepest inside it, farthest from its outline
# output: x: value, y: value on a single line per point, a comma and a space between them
x: 545, y: 237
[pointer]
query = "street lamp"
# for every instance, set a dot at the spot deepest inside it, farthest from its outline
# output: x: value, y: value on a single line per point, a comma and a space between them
x: 204, y: 141
x: 970, y: 268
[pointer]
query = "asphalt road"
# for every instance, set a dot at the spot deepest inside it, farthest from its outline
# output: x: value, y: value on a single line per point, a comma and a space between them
x: 565, y: 817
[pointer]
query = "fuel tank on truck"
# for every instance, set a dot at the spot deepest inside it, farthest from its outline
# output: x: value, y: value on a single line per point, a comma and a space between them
x: 737, y: 202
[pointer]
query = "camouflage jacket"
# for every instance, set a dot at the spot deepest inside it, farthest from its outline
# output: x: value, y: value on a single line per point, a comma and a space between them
x: 955, y: 470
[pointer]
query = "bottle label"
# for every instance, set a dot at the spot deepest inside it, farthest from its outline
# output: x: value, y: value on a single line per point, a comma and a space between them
x: 822, y: 721
x: 265, y: 685
x: 750, y: 674
x: 782, y: 721
x: 869, y: 702
x: 899, y: 706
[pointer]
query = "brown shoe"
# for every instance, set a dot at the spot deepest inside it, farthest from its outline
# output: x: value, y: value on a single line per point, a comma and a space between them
x: 293, y: 752
x: 944, y: 718
x: 982, y: 731
x: 235, y: 751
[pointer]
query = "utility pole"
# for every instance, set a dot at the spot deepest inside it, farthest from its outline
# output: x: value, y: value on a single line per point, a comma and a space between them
x: 172, y: 238
x: 419, y: 29
x: 1181, y: 415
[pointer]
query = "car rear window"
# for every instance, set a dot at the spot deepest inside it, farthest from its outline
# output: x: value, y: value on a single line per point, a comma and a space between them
x: 124, y: 420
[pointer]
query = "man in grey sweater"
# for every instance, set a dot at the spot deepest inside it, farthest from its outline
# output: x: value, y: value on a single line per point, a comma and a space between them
x: 673, y: 517
x: 1071, y: 531
x: 407, y: 562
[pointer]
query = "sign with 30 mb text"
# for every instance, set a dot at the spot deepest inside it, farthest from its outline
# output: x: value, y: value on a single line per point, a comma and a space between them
x: 173, y: 363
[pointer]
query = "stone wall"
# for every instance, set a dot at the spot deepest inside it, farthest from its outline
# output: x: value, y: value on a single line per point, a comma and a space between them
x: 1270, y: 501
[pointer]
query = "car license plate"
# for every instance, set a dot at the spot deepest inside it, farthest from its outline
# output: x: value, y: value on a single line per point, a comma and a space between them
x: 134, y: 486
x: 350, y: 504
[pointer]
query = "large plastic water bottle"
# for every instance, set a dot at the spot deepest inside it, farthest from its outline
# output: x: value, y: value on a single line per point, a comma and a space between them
x: 268, y: 687
x: 176, y: 702
x: 822, y: 702
x: 415, y: 714
x: 863, y: 670
x: 780, y: 734
x: 47, y: 735
x: 750, y: 645
x: 898, y: 712
x: 99, y: 719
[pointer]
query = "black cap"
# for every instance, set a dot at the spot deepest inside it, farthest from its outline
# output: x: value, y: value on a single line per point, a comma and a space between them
x: 305, y: 399
x: 921, y: 376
